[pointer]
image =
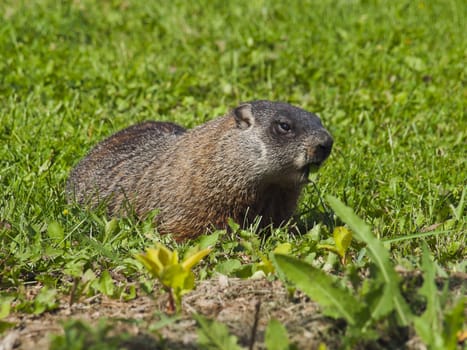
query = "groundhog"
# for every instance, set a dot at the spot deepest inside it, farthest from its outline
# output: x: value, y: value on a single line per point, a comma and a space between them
x: 250, y: 164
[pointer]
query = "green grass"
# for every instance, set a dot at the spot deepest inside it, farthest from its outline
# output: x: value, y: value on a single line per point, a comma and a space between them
x: 388, y: 79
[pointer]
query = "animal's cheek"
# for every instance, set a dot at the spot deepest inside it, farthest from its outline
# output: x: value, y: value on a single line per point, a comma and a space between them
x: 301, y: 159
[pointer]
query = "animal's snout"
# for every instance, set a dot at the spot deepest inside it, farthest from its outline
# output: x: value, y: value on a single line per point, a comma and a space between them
x: 321, y: 147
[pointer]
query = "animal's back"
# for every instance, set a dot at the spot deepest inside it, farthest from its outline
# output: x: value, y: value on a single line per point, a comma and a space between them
x: 108, y: 171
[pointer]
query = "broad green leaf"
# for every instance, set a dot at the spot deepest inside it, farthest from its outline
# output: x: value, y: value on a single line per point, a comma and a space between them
x: 166, y: 256
x: 151, y: 261
x: 45, y: 301
x: 429, y: 326
x: 343, y: 238
x: 228, y: 266
x: 376, y: 296
x: 208, y: 240
x: 245, y: 271
x: 105, y: 284
x: 157, y: 259
x: 233, y: 225
x: 180, y: 282
x: 5, y: 326
x: 176, y: 276
x: 5, y: 306
x: 265, y: 265
x: 192, y: 260
x: 379, y: 255
x: 213, y: 335
x: 55, y: 232
x: 276, y: 337
x: 320, y: 287
x: 74, y: 268
x: 454, y: 325
x: 188, y: 283
x: 329, y: 247
x: 426, y: 325
x: 131, y: 294
x: 88, y: 275
x: 283, y: 248
x: 110, y: 229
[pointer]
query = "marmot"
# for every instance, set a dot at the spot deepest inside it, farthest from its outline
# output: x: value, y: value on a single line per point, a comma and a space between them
x: 251, y: 163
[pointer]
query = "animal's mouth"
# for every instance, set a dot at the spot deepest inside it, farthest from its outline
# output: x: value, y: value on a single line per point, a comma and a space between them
x: 307, y: 170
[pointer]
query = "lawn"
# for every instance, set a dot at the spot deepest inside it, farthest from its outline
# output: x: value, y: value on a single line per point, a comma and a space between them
x: 387, y: 78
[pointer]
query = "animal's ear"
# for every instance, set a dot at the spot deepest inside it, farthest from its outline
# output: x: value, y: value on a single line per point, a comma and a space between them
x: 244, y: 116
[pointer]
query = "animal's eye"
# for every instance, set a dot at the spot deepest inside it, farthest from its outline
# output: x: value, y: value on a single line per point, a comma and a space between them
x: 284, y: 127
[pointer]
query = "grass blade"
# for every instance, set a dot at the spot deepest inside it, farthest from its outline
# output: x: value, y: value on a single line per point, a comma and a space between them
x: 378, y: 254
x: 335, y: 300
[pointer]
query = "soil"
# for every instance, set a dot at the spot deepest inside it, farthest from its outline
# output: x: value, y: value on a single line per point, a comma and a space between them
x: 234, y: 302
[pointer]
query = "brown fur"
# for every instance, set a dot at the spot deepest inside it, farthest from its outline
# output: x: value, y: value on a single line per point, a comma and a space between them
x: 240, y: 166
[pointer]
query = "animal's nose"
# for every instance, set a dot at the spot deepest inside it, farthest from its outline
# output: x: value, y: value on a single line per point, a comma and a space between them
x: 322, y: 146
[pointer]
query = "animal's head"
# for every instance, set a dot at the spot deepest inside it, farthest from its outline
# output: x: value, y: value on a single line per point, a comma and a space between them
x: 288, y: 140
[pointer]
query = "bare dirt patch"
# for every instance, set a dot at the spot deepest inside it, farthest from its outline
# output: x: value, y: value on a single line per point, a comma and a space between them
x: 234, y: 302
x: 231, y: 301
